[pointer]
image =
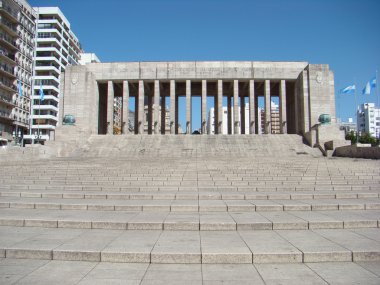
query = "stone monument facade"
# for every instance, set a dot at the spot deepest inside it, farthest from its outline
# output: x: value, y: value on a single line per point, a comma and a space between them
x: 304, y: 91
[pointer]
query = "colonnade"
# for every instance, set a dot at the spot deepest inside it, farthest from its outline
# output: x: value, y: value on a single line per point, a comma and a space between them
x: 233, y: 89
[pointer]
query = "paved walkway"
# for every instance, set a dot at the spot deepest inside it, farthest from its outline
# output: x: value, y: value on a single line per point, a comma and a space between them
x: 25, y: 271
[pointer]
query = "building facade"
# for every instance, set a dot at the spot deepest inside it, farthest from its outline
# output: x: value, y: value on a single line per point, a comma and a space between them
x: 17, y: 32
x: 227, y: 128
x: 57, y: 48
x: 88, y: 58
x: 369, y: 119
x: 274, y: 117
x: 24, y: 69
x: 9, y: 21
x: 303, y: 90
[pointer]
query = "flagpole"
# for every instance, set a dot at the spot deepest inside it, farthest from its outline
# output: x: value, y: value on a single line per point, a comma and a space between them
x: 356, y: 112
x: 377, y: 89
x: 378, y: 94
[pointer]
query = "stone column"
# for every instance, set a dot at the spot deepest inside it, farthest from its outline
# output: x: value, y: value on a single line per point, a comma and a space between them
x: 257, y: 118
x: 149, y: 114
x: 252, y: 107
x: 229, y: 115
x: 125, y: 123
x: 176, y: 115
x: 140, y: 123
x: 188, y: 107
x: 172, y: 107
x: 220, y: 107
x: 242, y: 114
x: 110, y: 108
x: 267, y: 106
x: 283, y: 129
x: 236, y: 108
x: 204, y: 106
x: 156, y: 120
x: 305, y: 102
x: 163, y: 114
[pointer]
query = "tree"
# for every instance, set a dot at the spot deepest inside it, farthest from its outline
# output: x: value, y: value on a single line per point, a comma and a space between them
x: 363, y: 138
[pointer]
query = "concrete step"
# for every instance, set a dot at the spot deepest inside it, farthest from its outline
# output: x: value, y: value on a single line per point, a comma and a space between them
x: 191, y: 221
x: 193, y: 146
x: 190, y: 205
x: 192, y: 195
x: 157, y: 246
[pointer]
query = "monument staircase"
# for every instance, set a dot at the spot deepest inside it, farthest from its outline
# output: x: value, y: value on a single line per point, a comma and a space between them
x: 191, y: 200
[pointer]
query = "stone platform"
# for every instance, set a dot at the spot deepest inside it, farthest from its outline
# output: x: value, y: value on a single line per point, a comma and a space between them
x: 196, y: 207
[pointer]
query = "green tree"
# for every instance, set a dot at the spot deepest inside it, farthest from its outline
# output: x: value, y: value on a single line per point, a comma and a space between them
x: 351, y: 136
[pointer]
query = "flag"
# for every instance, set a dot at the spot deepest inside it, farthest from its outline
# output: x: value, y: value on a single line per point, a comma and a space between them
x: 19, y: 88
x: 370, y: 84
x: 348, y: 89
x: 373, y: 82
x: 42, y: 95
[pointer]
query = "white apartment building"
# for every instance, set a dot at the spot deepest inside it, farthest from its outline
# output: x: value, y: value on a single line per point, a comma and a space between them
x: 87, y: 57
x: 57, y: 47
x: 369, y: 119
x: 211, y: 120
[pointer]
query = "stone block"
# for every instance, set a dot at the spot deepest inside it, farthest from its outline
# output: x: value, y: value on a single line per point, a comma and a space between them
x: 40, y: 223
x: 28, y: 253
x: 74, y: 255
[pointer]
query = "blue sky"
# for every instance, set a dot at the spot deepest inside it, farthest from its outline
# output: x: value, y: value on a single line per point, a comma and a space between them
x: 342, y: 33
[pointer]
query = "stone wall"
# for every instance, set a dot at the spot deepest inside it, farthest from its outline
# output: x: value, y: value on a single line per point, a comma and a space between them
x: 358, y: 152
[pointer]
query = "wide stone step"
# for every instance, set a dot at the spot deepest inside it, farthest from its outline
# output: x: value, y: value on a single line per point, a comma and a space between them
x: 191, y: 195
x: 191, y: 205
x: 190, y: 221
x: 277, y: 246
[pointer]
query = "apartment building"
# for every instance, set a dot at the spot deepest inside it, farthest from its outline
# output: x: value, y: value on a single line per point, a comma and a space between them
x: 369, y: 119
x: 57, y: 47
x: 17, y: 32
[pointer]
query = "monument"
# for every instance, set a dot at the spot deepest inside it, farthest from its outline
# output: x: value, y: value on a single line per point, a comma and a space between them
x: 304, y: 92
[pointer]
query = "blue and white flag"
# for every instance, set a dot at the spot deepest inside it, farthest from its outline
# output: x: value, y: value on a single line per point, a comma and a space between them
x: 368, y: 87
x: 373, y: 82
x: 42, y: 95
x: 19, y: 88
x: 348, y: 89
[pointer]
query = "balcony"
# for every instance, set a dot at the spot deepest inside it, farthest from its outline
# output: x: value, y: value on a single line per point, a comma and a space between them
x: 46, y: 98
x: 7, y: 86
x: 11, y: 14
x: 7, y: 117
x: 48, y: 68
x: 8, y: 42
x: 7, y: 101
x: 4, y: 55
x: 7, y: 70
x: 43, y: 127
x: 47, y: 80
x: 9, y: 27
x: 45, y: 107
x: 45, y: 117
x: 47, y: 58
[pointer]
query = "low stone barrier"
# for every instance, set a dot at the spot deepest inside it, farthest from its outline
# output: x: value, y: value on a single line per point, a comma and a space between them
x: 358, y: 152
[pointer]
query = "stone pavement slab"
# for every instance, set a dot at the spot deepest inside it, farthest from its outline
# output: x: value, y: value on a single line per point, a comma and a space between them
x: 177, y: 247
x: 24, y: 271
x: 344, y: 273
x: 131, y: 246
x: 269, y: 247
x: 292, y: 274
x: 224, y: 247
